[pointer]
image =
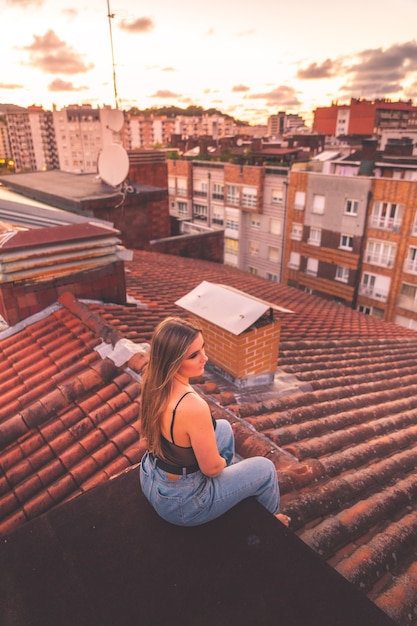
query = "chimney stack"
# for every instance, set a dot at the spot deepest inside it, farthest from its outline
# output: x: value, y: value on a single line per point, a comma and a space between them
x: 241, y: 334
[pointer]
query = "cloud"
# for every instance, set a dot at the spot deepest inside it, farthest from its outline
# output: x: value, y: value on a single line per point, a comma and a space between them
x: 50, y: 54
x: 70, y: 12
x: 246, y: 33
x: 327, y: 69
x: 62, y: 85
x: 140, y: 25
x: 240, y: 88
x: 165, y: 93
x: 25, y: 3
x: 283, y: 96
x: 373, y: 72
x: 10, y: 86
x: 382, y: 71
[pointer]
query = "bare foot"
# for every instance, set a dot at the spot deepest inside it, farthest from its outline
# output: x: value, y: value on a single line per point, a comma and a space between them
x: 284, y: 519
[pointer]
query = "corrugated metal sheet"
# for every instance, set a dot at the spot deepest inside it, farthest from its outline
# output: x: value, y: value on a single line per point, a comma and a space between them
x: 228, y: 308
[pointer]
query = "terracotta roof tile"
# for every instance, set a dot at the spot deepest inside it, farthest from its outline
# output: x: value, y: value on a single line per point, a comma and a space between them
x: 340, y: 424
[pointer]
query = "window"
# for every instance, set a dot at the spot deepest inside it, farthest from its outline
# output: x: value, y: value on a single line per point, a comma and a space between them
x: 272, y: 277
x: 300, y: 200
x: 255, y: 222
x: 411, y: 261
x: 249, y: 197
x: 342, y: 274
x: 171, y: 185
x: 277, y: 196
x: 200, y: 189
x: 254, y: 248
x: 318, y: 203
x: 200, y: 212
x: 315, y: 236
x: 232, y: 224
x: 387, y: 215
x: 312, y: 266
x: 232, y: 192
x: 380, y: 253
x: 273, y: 254
x: 346, y: 242
x: 181, y: 186
x: 368, y: 284
x: 182, y: 208
x: 253, y: 271
x: 218, y: 191
x: 231, y: 246
x: 375, y: 286
x: 351, y: 207
x: 364, y: 309
x: 297, y: 231
x: 414, y: 232
x: 275, y: 227
x: 217, y: 218
x: 294, y: 262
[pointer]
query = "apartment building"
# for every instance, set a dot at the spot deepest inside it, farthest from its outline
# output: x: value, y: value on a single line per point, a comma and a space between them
x: 326, y: 216
x: 21, y: 141
x: 246, y: 202
x: 43, y: 137
x: 147, y: 131
x: 5, y: 151
x: 81, y: 133
x: 214, y: 125
x: 353, y: 237
x: 284, y: 122
x: 28, y: 138
x: 364, y: 117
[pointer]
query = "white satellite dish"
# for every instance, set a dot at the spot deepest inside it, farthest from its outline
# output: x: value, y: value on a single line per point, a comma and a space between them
x: 113, y: 164
x: 115, y: 119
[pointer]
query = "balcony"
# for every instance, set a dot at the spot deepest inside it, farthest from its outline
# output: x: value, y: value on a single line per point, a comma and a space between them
x: 373, y: 292
x: 407, y: 302
x: 380, y: 259
x: 384, y: 223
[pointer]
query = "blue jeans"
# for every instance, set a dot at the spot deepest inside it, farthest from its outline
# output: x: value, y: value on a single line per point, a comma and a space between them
x: 195, y: 498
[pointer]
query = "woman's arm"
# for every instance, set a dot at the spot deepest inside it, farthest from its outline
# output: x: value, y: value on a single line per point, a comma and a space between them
x: 200, y: 430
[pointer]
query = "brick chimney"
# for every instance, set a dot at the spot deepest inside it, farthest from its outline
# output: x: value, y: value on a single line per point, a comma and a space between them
x: 241, y: 334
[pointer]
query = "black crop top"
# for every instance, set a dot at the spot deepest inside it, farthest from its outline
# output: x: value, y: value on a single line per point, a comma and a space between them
x: 181, y: 456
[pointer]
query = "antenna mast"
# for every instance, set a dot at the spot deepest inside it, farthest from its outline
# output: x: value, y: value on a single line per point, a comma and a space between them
x: 111, y: 16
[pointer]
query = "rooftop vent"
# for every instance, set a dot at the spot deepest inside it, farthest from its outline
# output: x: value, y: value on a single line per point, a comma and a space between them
x: 37, y: 265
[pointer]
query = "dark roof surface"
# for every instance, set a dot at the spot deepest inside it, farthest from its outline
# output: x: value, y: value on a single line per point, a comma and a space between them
x: 339, y: 422
x: 107, y: 559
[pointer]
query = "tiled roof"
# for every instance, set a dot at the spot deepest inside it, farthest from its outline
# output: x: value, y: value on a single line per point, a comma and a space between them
x: 340, y: 422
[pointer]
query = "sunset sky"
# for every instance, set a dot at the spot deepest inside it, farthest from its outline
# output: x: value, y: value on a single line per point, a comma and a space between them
x: 247, y: 59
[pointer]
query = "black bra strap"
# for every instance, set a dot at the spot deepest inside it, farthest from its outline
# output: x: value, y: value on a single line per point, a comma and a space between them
x: 173, y: 415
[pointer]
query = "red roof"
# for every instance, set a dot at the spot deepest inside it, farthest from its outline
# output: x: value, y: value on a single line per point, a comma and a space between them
x: 340, y: 421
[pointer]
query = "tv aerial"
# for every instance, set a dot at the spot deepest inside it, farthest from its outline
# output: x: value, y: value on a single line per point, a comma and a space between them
x: 110, y: 17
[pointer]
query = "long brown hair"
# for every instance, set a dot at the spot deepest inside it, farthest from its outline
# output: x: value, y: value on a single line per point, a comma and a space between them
x: 170, y: 342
